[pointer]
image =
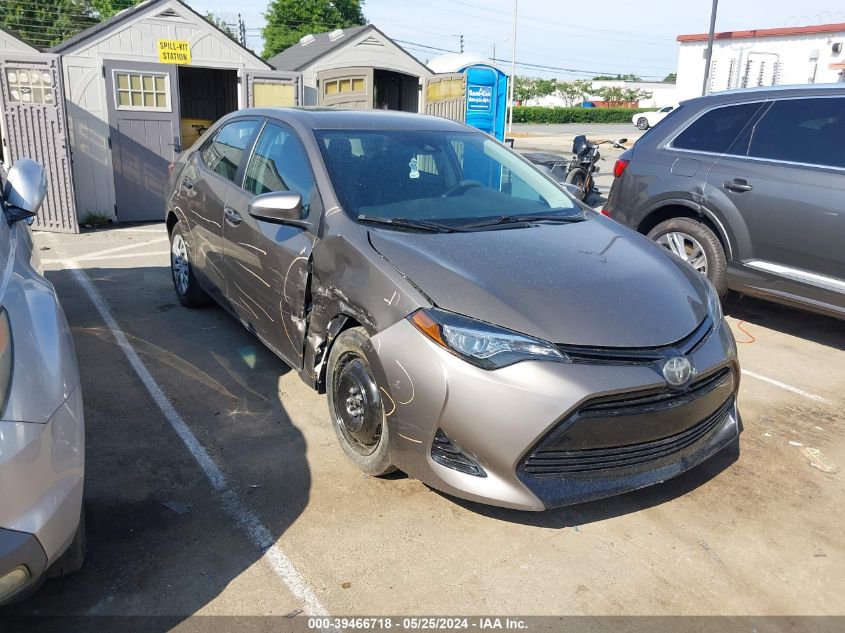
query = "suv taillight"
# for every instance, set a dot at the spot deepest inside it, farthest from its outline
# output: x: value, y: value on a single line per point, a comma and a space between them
x: 620, y: 166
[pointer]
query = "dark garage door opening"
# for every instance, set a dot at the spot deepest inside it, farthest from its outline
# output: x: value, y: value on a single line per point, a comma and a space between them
x: 205, y: 95
x: 396, y: 91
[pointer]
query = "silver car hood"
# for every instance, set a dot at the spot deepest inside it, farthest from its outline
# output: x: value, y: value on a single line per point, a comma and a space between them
x: 591, y: 283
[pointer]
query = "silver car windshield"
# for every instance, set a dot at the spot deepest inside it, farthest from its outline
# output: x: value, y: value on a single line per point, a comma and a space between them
x: 434, y: 176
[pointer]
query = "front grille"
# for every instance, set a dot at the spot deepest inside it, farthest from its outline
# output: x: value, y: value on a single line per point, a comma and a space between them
x: 587, y: 461
x: 657, y: 400
x: 639, y: 355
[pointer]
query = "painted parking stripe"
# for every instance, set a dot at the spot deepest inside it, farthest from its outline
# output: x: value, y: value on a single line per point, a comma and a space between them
x: 785, y: 387
x: 260, y: 536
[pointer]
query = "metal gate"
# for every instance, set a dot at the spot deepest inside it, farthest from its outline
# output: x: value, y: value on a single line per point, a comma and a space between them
x: 346, y: 88
x: 445, y: 96
x: 143, y: 106
x: 33, y: 108
x: 271, y: 88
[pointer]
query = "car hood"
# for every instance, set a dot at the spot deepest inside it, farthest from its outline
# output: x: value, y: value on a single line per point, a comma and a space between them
x: 591, y: 283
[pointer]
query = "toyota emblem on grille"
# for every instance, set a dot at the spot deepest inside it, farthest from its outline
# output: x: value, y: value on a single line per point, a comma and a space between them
x: 677, y: 371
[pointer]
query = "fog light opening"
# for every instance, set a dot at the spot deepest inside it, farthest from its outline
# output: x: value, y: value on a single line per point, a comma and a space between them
x: 448, y: 454
x: 12, y: 581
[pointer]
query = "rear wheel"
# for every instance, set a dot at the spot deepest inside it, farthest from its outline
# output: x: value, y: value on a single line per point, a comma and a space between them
x: 356, y: 406
x: 187, y: 288
x: 697, y: 245
x: 642, y: 123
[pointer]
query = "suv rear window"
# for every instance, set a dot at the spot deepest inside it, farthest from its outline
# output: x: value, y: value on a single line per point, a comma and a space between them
x: 716, y: 130
x: 802, y: 131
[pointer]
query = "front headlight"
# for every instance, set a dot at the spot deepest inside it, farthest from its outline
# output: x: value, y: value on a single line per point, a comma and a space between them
x: 484, y: 345
x: 714, y: 304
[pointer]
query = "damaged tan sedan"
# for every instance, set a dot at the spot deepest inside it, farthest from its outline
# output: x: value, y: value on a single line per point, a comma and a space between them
x: 470, y: 323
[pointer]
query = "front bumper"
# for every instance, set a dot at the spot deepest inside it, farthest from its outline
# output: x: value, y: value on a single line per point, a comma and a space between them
x: 21, y: 556
x: 41, y: 481
x: 499, y: 417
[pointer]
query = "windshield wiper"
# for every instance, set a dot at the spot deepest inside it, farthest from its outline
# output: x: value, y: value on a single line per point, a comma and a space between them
x: 407, y: 223
x: 525, y: 219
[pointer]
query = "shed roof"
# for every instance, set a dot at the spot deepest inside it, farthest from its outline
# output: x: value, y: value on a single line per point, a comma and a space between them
x: 16, y: 41
x: 299, y: 56
x: 147, y: 6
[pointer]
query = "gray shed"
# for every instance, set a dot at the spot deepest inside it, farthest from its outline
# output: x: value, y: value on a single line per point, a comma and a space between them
x: 358, y: 67
x: 33, y: 125
x: 141, y: 87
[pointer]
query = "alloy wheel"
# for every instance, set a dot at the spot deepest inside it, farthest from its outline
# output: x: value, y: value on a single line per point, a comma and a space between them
x: 179, y: 264
x: 686, y: 247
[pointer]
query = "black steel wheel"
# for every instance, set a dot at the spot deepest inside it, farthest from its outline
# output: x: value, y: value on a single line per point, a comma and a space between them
x: 356, y: 405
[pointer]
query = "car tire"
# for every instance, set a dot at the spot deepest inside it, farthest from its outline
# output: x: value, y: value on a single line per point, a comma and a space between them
x: 73, y: 558
x: 578, y: 177
x: 188, y: 290
x: 692, y: 235
x: 642, y: 123
x: 356, y: 406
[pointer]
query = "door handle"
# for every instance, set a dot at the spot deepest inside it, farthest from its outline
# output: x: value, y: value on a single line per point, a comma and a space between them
x: 233, y: 218
x: 187, y: 183
x: 737, y: 185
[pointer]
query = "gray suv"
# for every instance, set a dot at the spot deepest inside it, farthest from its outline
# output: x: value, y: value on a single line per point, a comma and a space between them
x: 748, y: 187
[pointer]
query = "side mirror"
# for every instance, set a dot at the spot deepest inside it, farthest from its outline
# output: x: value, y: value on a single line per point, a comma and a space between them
x: 24, y: 190
x: 280, y: 207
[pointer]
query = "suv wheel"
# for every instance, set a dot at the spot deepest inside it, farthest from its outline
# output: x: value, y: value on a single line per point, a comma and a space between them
x: 697, y: 245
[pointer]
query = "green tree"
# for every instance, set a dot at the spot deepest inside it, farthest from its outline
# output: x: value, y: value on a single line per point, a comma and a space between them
x: 671, y: 78
x: 221, y: 24
x: 45, y: 23
x: 105, y: 9
x: 628, y: 77
x: 524, y: 88
x: 620, y: 95
x: 290, y: 20
x: 574, y: 92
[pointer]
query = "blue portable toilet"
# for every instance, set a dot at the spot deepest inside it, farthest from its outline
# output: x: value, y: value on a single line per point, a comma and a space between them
x: 486, y: 90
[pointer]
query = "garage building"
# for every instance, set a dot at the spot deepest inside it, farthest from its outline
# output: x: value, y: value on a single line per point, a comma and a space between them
x: 358, y: 67
x: 142, y: 86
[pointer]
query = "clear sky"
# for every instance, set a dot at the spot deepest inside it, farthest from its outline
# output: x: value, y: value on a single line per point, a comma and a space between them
x: 590, y: 37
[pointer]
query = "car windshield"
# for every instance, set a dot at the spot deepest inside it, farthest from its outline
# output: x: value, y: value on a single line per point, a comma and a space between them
x: 451, y: 178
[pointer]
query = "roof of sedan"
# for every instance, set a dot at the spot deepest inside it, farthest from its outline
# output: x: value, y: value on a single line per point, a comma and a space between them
x: 333, y: 118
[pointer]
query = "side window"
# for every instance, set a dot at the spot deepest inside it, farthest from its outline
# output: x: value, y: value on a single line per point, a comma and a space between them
x: 224, y: 151
x: 802, y: 131
x: 715, y: 131
x: 279, y: 163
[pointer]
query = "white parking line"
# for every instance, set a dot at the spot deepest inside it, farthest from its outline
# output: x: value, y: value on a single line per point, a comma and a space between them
x: 260, y: 536
x: 784, y: 386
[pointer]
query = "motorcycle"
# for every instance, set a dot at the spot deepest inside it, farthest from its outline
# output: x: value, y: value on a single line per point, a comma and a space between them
x: 583, y: 165
x: 576, y: 174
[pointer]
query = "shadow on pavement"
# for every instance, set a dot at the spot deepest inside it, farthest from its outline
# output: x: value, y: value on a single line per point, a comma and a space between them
x: 160, y: 540
x: 818, y: 328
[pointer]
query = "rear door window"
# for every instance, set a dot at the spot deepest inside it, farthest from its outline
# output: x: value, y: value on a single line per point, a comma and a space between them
x: 224, y: 152
x: 716, y: 130
x: 808, y: 131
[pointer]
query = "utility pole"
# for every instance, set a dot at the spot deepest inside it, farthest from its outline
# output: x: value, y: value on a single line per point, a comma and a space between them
x: 513, y: 68
x: 709, y: 56
x: 241, y: 31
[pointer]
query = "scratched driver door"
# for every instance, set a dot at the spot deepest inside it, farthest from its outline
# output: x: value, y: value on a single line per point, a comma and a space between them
x: 267, y: 263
